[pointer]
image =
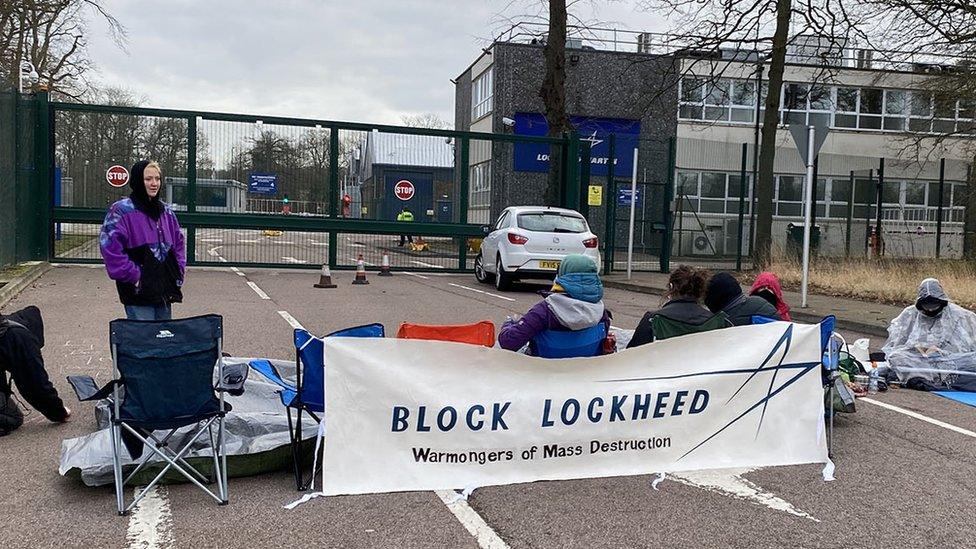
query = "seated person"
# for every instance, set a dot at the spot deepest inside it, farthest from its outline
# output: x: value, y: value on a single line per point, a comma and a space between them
x: 575, y: 303
x: 686, y: 286
x: 767, y: 286
x: 932, y: 344
x: 724, y: 294
x: 21, y: 339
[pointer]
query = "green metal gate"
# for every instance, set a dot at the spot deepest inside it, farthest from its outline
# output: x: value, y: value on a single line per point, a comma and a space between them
x: 313, y: 220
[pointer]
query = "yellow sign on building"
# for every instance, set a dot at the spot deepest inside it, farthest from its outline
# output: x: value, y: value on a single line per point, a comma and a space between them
x: 595, y: 196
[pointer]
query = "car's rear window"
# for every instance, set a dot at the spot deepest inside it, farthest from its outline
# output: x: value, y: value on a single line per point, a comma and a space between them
x: 551, y: 222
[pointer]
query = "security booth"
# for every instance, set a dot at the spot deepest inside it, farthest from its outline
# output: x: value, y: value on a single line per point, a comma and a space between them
x: 213, y: 195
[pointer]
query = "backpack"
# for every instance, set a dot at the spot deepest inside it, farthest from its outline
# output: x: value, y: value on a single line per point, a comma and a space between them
x: 10, y: 415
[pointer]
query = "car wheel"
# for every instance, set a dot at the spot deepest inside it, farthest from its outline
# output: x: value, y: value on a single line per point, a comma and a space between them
x: 503, y: 280
x: 480, y: 273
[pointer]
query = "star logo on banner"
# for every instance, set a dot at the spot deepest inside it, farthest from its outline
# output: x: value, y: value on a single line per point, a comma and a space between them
x: 593, y: 140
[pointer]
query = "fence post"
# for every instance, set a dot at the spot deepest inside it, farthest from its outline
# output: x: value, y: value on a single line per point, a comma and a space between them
x: 938, y: 219
x: 878, y: 247
x: 867, y: 217
x: 742, y: 207
x: 191, y: 186
x: 571, y: 173
x: 850, y: 218
x: 333, y: 194
x: 40, y: 196
x: 610, y: 196
x: 464, y: 194
x: 665, y: 258
x: 584, y: 180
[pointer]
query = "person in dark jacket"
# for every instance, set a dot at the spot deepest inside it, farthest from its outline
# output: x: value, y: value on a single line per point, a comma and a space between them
x: 574, y: 303
x: 724, y: 294
x: 143, y: 248
x: 686, y: 286
x: 21, y: 339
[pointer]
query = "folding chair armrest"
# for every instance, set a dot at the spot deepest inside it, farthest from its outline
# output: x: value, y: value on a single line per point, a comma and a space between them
x: 234, y: 377
x: 86, y: 389
x: 267, y: 370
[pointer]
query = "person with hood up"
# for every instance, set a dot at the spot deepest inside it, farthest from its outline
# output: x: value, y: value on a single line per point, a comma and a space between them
x: 723, y: 294
x: 575, y: 303
x: 686, y: 286
x: 21, y: 340
x: 932, y: 344
x: 767, y: 286
x: 143, y: 248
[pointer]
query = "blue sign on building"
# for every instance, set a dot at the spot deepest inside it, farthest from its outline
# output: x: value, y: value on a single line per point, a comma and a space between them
x: 262, y: 183
x: 534, y: 157
x: 623, y: 197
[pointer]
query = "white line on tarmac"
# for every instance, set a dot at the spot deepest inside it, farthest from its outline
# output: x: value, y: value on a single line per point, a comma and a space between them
x: 258, y: 290
x: 357, y: 245
x: 431, y: 265
x: 480, y: 291
x: 282, y: 242
x: 248, y: 241
x: 289, y: 259
x: 471, y: 520
x: 291, y: 320
x: 917, y: 415
x: 729, y: 482
x: 150, y: 523
x: 416, y: 275
x: 213, y: 251
x: 237, y: 271
x: 210, y: 240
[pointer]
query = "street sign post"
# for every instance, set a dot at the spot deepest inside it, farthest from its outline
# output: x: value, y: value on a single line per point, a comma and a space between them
x: 117, y: 176
x: 808, y: 140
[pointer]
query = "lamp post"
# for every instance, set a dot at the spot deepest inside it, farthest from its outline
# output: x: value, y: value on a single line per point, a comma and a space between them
x: 84, y: 187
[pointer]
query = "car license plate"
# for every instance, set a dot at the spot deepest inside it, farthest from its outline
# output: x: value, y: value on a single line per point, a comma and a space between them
x: 549, y: 265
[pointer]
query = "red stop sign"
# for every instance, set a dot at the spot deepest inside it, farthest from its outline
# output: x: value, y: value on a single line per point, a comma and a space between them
x: 117, y: 176
x: 404, y: 190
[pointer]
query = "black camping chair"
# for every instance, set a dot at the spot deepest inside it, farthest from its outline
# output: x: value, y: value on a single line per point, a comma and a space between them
x: 164, y: 382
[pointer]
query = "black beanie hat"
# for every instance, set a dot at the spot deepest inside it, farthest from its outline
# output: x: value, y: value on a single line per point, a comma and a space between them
x: 153, y: 207
x: 721, y: 290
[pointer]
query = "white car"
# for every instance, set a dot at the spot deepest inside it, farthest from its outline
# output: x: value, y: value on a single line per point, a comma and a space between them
x: 530, y: 241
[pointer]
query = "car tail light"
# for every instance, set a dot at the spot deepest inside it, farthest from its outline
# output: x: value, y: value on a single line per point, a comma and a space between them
x: 516, y: 238
x: 591, y: 242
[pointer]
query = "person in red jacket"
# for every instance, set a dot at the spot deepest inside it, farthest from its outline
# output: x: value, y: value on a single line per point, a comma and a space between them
x: 767, y: 287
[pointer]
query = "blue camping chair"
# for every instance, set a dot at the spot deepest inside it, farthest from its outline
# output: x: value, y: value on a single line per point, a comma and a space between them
x: 166, y: 369
x: 570, y: 344
x: 308, y: 392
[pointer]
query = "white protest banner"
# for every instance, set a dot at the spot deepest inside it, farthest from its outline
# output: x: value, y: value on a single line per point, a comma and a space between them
x: 424, y: 415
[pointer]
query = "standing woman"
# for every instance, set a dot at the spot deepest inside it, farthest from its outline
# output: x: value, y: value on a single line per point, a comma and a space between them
x: 143, y: 248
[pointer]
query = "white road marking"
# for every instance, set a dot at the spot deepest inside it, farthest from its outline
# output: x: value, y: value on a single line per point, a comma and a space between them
x: 237, y: 271
x: 150, y: 523
x: 210, y: 240
x: 480, y: 291
x: 416, y: 275
x: 357, y: 245
x: 317, y: 243
x: 917, y: 415
x: 222, y: 259
x: 282, y: 242
x: 729, y: 482
x: 248, y: 241
x: 471, y: 520
x: 431, y: 265
x: 258, y: 290
x: 288, y: 259
x: 291, y: 320
x: 213, y: 251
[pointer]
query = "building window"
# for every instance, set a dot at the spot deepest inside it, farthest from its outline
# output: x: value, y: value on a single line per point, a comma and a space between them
x: 479, y: 184
x: 482, y: 91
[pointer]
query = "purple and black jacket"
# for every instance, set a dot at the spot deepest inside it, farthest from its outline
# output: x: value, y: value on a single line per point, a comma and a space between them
x: 146, y: 257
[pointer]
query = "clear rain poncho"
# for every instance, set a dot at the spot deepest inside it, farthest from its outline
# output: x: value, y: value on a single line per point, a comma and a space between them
x: 940, y: 349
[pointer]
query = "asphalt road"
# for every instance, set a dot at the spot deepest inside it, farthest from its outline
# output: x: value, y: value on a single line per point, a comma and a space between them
x: 901, y: 482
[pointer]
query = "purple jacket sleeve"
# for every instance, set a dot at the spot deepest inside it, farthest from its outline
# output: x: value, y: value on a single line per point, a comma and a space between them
x: 179, y: 247
x: 111, y: 242
x: 513, y: 336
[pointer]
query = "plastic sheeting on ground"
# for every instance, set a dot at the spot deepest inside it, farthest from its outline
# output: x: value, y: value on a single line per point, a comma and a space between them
x: 256, y: 434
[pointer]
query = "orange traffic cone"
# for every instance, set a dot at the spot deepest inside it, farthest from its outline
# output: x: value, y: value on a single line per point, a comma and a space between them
x: 360, y: 271
x: 385, y: 267
x: 325, y: 279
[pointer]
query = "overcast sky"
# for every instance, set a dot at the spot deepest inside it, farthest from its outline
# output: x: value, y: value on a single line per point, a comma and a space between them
x: 362, y: 60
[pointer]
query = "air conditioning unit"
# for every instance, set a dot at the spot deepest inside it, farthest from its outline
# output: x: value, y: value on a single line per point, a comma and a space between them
x: 732, y: 235
x: 707, y: 241
x: 574, y: 43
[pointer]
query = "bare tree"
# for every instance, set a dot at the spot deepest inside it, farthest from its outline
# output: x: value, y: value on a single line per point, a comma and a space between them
x: 51, y: 34
x: 425, y: 120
